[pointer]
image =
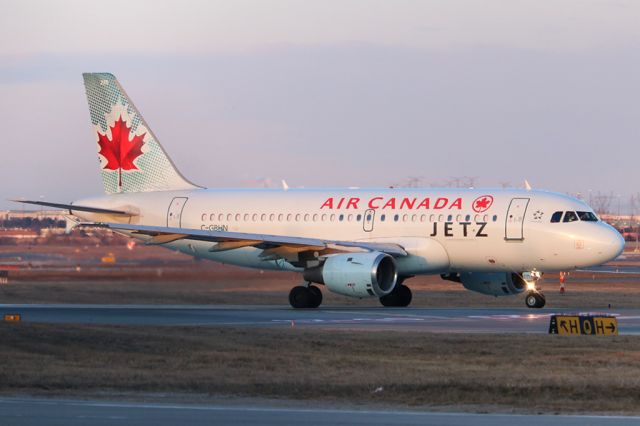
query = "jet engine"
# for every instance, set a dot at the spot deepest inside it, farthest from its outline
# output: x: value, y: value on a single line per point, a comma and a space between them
x: 491, y: 283
x: 372, y: 274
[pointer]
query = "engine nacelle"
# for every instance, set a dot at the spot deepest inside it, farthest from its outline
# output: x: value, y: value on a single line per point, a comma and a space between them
x: 372, y: 274
x: 491, y: 283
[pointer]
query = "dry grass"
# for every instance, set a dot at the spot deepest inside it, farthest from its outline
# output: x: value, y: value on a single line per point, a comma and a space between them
x: 158, y: 276
x: 228, y: 285
x: 532, y: 373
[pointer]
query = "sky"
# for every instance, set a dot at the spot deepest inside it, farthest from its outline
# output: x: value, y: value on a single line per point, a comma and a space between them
x: 330, y: 93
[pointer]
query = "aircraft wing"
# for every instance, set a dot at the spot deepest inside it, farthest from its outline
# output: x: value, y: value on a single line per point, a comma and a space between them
x: 274, y: 246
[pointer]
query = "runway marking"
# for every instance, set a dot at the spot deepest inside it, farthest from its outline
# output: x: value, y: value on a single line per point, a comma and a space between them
x: 244, y: 408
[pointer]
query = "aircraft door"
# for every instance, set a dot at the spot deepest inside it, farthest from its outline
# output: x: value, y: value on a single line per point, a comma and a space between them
x: 174, y: 214
x: 367, y: 221
x: 514, y: 226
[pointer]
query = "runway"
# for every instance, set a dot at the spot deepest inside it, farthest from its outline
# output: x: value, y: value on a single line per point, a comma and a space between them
x: 453, y: 320
x: 28, y: 412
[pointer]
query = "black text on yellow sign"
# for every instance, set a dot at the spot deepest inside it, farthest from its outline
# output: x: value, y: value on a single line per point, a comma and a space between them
x: 583, y: 324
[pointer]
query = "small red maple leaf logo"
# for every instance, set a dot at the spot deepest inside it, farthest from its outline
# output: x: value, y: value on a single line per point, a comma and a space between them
x: 482, y: 203
x: 120, y: 151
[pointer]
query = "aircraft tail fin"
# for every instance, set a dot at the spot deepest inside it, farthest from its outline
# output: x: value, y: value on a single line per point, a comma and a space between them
x: 131, y: 158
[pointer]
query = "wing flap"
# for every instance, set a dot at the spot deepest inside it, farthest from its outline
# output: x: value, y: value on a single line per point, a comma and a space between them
x: 274, y: 245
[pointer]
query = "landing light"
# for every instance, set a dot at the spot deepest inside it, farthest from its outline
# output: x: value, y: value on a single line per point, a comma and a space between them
x: 531, y: 285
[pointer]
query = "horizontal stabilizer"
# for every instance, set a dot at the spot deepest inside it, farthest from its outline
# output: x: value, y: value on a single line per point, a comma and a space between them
x: 72, y: 207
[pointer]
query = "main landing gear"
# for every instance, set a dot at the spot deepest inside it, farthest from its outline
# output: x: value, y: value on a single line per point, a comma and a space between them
x: 534, y: 297
x: 309, y: 296
x: 400, y: 297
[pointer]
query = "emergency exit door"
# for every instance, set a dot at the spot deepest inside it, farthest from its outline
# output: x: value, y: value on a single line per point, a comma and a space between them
x: 174, y: 214
x: 514, y: 227
x: 367, y: 221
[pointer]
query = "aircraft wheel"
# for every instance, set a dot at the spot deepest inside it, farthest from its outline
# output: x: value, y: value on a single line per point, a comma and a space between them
x: 301, y: 297
x: 400, y: 297
x: 535, y: 300
x: 317, y: 296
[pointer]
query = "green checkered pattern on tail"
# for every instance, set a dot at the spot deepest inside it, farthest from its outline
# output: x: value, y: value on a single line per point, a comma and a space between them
x: 117, y: 123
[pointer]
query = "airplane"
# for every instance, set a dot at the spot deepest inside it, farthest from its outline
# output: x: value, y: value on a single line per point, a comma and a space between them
x: 361, y: 243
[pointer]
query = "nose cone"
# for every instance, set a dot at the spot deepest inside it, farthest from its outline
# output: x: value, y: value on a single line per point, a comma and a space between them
x: 610, y: 244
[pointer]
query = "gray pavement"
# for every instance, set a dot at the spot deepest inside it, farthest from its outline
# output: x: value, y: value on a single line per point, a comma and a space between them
x: 458, y: 320
x: 32, y: 411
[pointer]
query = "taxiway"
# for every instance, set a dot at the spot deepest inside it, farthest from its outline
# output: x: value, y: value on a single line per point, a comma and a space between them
x: 453, y: 320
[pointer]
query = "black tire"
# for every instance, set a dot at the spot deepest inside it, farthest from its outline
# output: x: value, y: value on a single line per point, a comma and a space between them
x: 301, y: 297
x: 400, y: 297
x: 317, y: 296
x: 389, y: 300
x: 404, y: 296
x: 535, y: 300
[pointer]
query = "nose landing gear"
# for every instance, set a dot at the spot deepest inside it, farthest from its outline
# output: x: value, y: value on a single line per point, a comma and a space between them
x: 534, y: 297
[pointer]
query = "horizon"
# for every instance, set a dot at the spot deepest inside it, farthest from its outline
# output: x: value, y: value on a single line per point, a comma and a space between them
x: 244, y: 94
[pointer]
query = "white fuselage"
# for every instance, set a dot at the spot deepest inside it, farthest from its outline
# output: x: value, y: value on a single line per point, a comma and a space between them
x: 443, y: 230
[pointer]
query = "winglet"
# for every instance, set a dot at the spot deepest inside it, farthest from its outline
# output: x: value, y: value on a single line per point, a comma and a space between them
x: 527, y: 185
x: 285, y: 186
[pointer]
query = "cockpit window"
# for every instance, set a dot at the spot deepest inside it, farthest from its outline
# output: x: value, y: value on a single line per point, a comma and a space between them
x: 587, y: 216
x: 570, y: 217
x: 556, y: 217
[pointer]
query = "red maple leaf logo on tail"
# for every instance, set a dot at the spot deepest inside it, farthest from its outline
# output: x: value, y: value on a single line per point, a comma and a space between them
x: 120, y: 151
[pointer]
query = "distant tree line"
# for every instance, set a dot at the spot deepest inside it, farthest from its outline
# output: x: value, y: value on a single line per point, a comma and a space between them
x: 31, y: 223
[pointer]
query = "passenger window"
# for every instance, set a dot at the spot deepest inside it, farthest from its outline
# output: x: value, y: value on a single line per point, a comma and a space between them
x: 383, y: 217
x: 306, y: 217
x: 467, y: 218
x: 555, y: 218
x: 396, y: 217
x: 449, y: 218
x: 246, y: 217
x: 495, y: 217
x: 587, y: 216
x: 315, y: 217
x: 341, y: 218
x: 360, y: 217
x: 570, y: 217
